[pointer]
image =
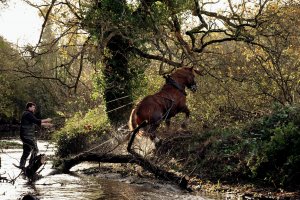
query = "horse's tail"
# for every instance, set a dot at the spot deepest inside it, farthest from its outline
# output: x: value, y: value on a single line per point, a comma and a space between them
x: 134, y: 132
x: 132, y: 124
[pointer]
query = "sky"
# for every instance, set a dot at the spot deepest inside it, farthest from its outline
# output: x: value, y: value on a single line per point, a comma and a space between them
x: 20, y: 23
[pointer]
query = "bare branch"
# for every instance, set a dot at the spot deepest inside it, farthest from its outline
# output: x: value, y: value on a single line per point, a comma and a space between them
x: 156, y: 57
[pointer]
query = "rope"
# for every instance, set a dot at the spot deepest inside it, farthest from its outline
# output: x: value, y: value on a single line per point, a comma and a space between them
x: 119, y: 107
x: 165, y: 116
x: 118, y: 99
x: 96, y: 147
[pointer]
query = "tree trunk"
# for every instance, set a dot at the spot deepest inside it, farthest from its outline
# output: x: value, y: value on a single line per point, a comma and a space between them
x: 118, y: 91
x: 67, y: 164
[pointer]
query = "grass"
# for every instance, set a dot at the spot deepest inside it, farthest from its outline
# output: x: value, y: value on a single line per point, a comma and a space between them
x: 9, y: 145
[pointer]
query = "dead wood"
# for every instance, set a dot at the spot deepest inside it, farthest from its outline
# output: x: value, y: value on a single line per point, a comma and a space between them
x: 147, y: 165
x: 133, y: 157
x: 161, y: 173
x: 32, y: 168
x: 67, y: 164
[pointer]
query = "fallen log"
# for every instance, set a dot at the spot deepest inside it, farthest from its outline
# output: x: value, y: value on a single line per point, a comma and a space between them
x: 158, y: 172
x: 133, y: 157
x: 67, y: 164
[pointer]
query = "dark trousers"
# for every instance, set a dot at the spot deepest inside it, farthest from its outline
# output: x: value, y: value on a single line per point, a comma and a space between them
x: 29, y: 146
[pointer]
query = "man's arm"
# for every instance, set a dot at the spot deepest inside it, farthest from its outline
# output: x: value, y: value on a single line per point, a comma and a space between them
x: 40, y: 122
x: 47, y: 124
x: 48, y: 120
x: 31, y: 118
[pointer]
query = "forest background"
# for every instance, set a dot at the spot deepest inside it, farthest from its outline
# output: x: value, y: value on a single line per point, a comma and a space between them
x: 96, y: 59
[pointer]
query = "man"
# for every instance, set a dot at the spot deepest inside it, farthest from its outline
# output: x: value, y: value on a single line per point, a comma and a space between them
x: 27, y: 133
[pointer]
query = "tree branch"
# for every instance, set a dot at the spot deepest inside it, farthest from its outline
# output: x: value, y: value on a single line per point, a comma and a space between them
x: 156, y: 57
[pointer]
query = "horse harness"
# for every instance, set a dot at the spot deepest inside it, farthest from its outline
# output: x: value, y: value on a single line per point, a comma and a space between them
x: 171, y: 81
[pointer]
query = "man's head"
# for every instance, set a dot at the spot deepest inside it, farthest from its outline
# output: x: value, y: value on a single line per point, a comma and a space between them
x: 30, y: 106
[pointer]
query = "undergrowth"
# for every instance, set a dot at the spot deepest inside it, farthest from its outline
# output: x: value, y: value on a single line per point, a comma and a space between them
x: 81, y: 132
x: 265, y: 150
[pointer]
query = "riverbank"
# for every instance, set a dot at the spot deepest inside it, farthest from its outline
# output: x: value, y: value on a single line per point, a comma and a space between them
x: 137, y: 176
x: 77, y: 186
x: 6, y: 144
x: 217, y: 163
x: 255, y: 159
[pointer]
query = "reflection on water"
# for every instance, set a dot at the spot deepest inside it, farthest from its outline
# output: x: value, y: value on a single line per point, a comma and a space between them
x: 9, y: 135
x: 75, y: 186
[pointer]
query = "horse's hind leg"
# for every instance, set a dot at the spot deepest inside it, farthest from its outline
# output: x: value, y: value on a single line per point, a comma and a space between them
x: 187, y: 115
x: 152, y: 134
x: 152, y: 130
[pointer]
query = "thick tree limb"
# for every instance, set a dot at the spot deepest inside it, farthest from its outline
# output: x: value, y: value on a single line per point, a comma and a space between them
x: 156, y: 57
x: 135, y: 158
x: 67, y: 164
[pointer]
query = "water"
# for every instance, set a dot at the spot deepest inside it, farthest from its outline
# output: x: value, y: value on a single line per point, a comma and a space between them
x: 77, y: 186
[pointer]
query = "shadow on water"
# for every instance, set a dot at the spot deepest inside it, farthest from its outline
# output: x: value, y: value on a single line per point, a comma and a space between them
x: 77, y: 186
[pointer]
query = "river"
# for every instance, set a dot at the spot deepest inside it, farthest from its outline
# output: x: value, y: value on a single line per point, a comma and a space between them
x: 79, y: 186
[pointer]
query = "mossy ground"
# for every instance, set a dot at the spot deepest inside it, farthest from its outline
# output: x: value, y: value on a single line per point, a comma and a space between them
x: 10, y: 145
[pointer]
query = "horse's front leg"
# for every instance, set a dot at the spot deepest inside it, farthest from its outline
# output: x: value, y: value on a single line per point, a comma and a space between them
x: 187, y: 115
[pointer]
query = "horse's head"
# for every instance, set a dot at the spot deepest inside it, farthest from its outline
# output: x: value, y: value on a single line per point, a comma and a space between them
x: 185, y: 76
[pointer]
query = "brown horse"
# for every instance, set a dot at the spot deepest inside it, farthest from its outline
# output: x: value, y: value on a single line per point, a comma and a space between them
x: 166, y: 103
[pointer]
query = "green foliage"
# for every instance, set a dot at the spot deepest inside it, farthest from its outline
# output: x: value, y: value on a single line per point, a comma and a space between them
x: 13, y: 91
x: 216, y: 154
x: 106, y: 13
x: 267, y: 149
x: 138, y: 78
x: 81, y: 131
x: 281, y: 116
x: 118, y: 77
x: 18, y: 88
x: 276, y: 157
x: 10, y: 145
x: 223, y: 155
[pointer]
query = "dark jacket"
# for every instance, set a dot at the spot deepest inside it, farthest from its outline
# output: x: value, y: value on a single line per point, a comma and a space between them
x: 28, y: 122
